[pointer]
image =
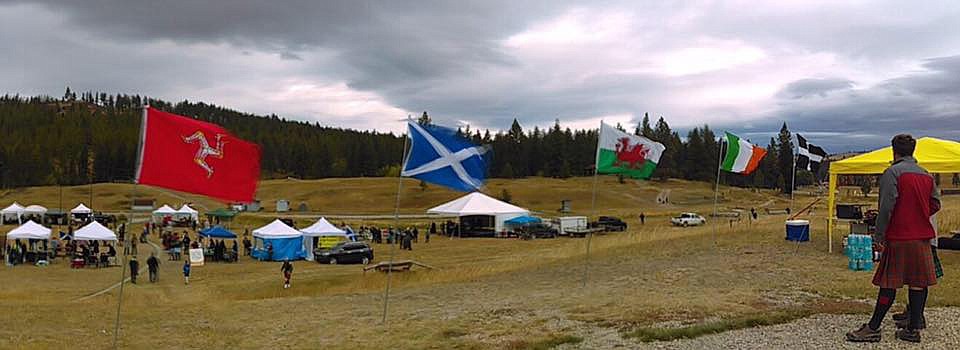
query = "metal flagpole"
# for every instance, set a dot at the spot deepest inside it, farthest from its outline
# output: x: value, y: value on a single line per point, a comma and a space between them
x: 396, y: 224
x: 793, y: 179
x: 123, y: 265
x: 716, y: 190
x: 593, y: 208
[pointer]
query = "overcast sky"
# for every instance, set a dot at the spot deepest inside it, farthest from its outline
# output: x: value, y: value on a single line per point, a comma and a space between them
x: 847, y: 74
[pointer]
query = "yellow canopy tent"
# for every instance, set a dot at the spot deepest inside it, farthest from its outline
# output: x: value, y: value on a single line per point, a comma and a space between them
x: 935, y: 155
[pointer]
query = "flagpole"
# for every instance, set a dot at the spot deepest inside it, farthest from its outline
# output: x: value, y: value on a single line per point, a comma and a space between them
x: 793, y: 179
x: 716, y: 190
x: 593, y: 208
x: 396, y: 224
x: 123, y: 265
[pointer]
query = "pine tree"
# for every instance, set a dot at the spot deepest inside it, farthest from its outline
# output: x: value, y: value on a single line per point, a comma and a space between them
x: 785, y: 158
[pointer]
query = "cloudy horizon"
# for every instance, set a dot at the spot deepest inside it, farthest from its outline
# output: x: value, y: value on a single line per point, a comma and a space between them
x: 847, y: 75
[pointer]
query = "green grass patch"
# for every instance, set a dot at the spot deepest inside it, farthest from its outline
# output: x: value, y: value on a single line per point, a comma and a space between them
x: 545, y: 344
x: 650, y: 334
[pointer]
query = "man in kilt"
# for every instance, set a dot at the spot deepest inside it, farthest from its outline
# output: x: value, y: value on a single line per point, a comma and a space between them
x: 908, y: 198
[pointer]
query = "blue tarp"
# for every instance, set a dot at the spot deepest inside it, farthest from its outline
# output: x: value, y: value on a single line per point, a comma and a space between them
x: 523, y: 220
x: 283, y: 249
x: 217, y: 232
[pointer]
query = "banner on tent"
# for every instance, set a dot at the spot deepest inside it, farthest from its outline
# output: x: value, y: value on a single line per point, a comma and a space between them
x: 196, y: 257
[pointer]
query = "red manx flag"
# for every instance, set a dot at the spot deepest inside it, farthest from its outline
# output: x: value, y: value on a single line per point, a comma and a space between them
x: 189, y: 155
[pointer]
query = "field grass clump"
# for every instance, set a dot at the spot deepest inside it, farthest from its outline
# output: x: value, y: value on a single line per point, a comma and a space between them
x: 650, y: 334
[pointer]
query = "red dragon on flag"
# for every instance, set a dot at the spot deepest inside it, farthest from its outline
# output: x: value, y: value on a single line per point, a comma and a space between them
x: 630, y: 156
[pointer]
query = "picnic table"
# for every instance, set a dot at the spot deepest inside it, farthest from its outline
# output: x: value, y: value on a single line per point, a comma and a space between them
x: 396, y: 266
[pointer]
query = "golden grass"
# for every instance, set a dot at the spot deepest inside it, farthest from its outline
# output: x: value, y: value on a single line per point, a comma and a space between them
x: 652, y: 282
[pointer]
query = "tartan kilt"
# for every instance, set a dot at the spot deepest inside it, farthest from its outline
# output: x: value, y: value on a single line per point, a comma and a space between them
x: 937, y: 266
x: 906, y: 263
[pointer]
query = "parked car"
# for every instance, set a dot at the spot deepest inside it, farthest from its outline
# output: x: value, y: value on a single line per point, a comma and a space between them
x: 344, y: 253
x: 688, y: 219
x: 610, y: 223
x: 538, y: 230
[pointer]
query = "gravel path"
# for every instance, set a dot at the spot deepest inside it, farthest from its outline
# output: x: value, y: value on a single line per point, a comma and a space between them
x: 815, y: 332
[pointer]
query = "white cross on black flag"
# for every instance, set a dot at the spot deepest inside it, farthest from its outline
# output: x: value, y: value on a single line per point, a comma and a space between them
x: 809, y: 156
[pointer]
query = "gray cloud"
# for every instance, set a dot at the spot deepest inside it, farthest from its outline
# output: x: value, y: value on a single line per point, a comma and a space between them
x: 845, y: 70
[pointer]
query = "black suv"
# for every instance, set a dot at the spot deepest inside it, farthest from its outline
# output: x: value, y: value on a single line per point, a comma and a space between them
x: 610, y: 223
x: 345, y: 252
x: 538, y: 230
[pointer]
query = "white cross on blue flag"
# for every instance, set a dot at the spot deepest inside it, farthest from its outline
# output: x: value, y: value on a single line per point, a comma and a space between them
x: 438, y: 155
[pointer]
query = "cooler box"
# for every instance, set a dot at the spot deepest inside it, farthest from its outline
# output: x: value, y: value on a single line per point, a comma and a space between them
x: 798, y: 230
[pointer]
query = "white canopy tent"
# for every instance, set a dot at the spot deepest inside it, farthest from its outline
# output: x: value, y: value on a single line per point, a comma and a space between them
x: 15, y: 210
x: 94, y: 231
x: 477, y: 203
x: 277, y: 229
x: 34, y: 210
x: 186, y: 210
x: 164, y: 210
x: 29, y: 230
x: 80, y: 209
x: 321, y: 228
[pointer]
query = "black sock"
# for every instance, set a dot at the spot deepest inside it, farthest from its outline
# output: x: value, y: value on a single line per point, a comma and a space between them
x: 884, y: 300
x: 918, y: 299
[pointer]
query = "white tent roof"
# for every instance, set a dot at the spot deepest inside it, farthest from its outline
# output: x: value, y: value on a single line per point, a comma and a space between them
x: 81, y: 209
x: 94, y: 231
x: 276, y: 229
x: 29, y: 230
x: 477, y: 203
x: 34, y: 209
x: 323, y: 228
x: 186, y: 209
x: 165, y: 209
x: 14, y: 208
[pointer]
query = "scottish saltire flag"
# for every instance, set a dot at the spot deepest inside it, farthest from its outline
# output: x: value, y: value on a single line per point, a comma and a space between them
x: 437, y: 155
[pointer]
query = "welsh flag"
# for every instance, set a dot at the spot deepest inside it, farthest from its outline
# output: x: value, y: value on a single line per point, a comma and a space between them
x: 742, y: 156
x: 622, y: 153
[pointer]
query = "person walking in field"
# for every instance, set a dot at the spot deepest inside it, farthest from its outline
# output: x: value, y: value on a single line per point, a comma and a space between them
x: 186, y: 271
x: 134, y: 269
x: 643, y: 218
x: 287, y: 271
x: 908, y: 198
x: 153, y: 266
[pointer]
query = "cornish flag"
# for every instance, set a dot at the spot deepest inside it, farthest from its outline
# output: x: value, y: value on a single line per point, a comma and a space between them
x: 438, y: 155
x: 742, y: 156
x: 809, y: 156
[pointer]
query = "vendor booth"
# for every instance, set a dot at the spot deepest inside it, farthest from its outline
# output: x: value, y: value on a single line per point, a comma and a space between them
x: 935, y: 155
x: 160, y: 215
x: 323, y: 234
x: 220, y: 216
x: 81, y: 212
x: 32, y: 233
x: 480, y: 212
x: 218, y: 232
x: 277, y: 242
x: 14, y: 212
x: 186, y: 212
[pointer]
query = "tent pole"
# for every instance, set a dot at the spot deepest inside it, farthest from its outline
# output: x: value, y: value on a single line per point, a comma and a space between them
x: 396, y: 224
x: 123, y: 266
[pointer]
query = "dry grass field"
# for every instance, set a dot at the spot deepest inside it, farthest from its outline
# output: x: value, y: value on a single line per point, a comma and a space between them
x: 651, y: 282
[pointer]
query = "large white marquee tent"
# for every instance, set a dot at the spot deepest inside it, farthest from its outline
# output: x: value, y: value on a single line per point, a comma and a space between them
x: 477, y: 203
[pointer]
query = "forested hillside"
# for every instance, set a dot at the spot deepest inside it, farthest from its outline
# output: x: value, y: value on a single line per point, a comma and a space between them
x: 94, y: 136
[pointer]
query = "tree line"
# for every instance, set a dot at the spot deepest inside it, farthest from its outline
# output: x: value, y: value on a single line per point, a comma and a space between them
x: 88, y: 137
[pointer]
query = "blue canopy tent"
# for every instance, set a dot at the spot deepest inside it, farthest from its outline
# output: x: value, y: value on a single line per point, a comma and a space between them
x: 278, y: 242
x: 523, y: 220
x: 218, y: 232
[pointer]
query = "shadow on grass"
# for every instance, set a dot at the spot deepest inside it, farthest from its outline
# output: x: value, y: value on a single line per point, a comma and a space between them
x: 650, y: 334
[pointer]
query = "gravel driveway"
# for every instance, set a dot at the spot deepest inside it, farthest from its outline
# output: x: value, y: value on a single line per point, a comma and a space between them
x: 815, y: 332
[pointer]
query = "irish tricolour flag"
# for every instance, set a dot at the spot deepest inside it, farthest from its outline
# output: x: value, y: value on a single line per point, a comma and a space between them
x: 622, y: 153
x: 742, y: 156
